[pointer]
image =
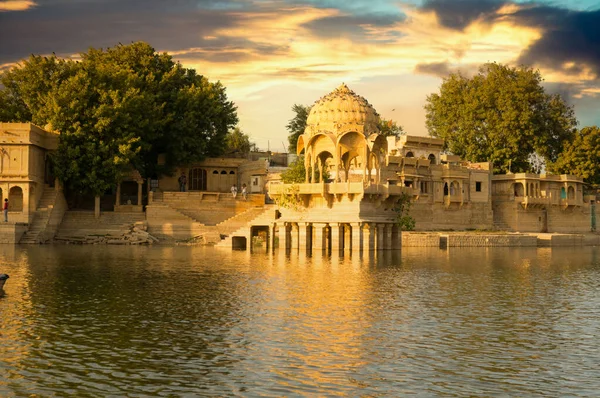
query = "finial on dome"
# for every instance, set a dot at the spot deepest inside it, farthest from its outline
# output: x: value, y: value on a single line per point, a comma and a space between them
x: 343, y: 88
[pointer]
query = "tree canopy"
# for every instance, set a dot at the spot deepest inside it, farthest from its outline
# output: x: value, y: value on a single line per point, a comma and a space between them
x: 502, y: 115
x: 390, y: 128
x: 238, y: 142
x: 118, y: 108
x: 297, y: 125
x: 580, y: 157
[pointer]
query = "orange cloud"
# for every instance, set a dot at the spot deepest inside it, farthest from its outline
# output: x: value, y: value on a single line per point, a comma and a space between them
x: 16, y: 5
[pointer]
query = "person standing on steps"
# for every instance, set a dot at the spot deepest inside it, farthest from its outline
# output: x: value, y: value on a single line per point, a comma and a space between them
x: 5, y: 208
x: 244, y: 192
x: 182, y: 182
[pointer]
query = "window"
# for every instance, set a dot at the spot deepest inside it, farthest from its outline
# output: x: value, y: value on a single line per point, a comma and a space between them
x: 478, y: 186
x: 424, y: 187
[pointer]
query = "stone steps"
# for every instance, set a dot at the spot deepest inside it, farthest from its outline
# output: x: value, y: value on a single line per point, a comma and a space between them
x: 266, y: 217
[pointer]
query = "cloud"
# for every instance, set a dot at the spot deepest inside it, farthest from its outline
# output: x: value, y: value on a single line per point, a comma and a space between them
x: 458, y: 14
x: 16, y: 5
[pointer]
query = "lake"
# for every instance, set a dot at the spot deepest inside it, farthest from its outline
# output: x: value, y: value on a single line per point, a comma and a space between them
x: 92, y: 321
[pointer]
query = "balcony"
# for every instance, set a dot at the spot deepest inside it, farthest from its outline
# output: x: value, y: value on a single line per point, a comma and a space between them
x: 532, y: 202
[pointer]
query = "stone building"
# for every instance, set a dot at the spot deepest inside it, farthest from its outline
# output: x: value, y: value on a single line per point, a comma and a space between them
x: 25, y: 175
x: 527, y: 202
x: 368, y: 175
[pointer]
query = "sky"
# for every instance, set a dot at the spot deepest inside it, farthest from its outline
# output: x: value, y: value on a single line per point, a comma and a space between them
x: 272, y: 54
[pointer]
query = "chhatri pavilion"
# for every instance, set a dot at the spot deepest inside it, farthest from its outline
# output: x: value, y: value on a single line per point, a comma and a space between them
x: 368, y: 174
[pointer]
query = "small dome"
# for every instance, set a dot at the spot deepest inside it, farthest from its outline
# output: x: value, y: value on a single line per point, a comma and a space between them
x: 340, y: 111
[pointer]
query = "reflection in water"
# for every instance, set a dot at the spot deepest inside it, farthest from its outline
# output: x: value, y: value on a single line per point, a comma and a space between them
x: 97, y: 321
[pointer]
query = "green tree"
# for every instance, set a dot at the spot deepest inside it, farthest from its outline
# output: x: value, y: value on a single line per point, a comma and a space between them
x: 238, y: 142
x: 297, y: 125
x: 502, y: 115
x: 119, y: 108
x: 390, y: 128
x: 404, y: 220
x: 580, y: 157
x: 296, y: 172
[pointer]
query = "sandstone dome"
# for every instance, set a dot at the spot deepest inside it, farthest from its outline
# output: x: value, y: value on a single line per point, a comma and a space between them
x: 341, y: 111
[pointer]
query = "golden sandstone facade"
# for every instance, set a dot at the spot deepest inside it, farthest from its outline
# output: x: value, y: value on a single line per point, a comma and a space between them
x: 350, y: 207
x: 369, y: 174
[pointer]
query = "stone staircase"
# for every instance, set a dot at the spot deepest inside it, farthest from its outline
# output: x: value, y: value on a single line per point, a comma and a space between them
x: 265, y: 217
x: 77, y: 225
x: 47, y: 217
x: 168, y: 224
x: 238, y: 221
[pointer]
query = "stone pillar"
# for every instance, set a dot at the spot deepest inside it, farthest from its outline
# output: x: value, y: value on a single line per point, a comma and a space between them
x: 388, y: 237
x: 26, y: 209
x: 380, y: 236
x: 318, y: 236
x: 118, y: 201
x: 357, y: 236
x: 139, y: 201
x: 294, y: 236
x: 337, y: 237
x: 283, y: 236
x: 368, y: 237
x: 272, y: 229
x: 302, y: 238
x: 347, y: 237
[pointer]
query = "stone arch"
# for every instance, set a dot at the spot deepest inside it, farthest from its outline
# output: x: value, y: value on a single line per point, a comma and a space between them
x: 571, y: 193
x: 446, y: 190
x: 454, y: 188
x: 432, y: 159
x: 15, y: 199
x: 518, y: 189
x: 409, y: 154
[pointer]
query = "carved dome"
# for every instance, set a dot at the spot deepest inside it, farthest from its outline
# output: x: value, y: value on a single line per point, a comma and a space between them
x: 341, y: 111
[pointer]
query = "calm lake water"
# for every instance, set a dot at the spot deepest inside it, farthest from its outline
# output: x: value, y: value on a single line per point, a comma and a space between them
x: 103, y: 321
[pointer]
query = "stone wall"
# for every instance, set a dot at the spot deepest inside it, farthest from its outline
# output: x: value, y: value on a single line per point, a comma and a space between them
x: 12, y: 232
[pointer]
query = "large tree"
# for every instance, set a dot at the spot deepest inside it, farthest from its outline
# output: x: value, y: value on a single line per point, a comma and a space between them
x: 297, y: 125
x: 581, y: 157
x: 502, y: 115
x: 119, y: 108
x: 238, y: 142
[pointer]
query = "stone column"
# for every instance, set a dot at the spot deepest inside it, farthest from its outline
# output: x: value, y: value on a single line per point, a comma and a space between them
x: 294, y: 236
x: 357, y: 236
x: 118, y: 201
x: 302, y: 238
x: 396, y: 237
x: 347, y: 237
x: 139, y: 201
x: 368, y: 237
x: 337, y: 237
x: 283, y: 236
x: 318, y: 237
x: 387, y: 245
x: 26, y: 209
x: 272, y: 229
x: 380, y: 236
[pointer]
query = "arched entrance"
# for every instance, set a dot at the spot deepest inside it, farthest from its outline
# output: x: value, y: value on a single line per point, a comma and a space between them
x: 197, y: 180
x: 15, y: 199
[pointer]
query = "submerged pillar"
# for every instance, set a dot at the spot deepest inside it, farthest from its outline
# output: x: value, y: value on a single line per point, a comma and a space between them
x: 318, y: 236
x: 368, y: 243
x: 357, y: 236
x: 283, y: 236
x: 294, y: 236
x: 337, y: 237
x: 387, y: 239
x: 302, y: 236
x: 380, y: 236
x: 347, y: 237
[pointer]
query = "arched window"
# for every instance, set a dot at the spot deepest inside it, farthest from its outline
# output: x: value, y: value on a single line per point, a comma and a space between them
x: 431, y: 158
x: 198, y: 179
x: 232, y: 172
x: 409, y: 154
x: 15, y: 199
x: 519, y: 190
x: 223, y: 172
x: 446, y: 189
x: 563, y: 193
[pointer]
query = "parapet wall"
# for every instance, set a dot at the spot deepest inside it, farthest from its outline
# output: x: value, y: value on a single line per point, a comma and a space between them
x: 432, y: 239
